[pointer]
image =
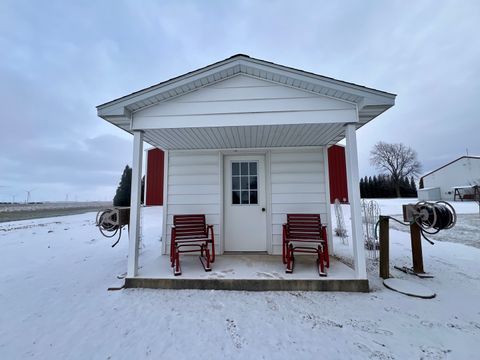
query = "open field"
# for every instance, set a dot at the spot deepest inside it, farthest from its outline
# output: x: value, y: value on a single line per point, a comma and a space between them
x: 14, y: 212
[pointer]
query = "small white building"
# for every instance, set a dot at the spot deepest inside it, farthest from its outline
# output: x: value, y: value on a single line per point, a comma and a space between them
x: 245, y: 143
x: 460, y: 174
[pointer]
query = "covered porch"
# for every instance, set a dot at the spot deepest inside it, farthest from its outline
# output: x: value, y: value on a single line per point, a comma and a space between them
x: 247, y: 110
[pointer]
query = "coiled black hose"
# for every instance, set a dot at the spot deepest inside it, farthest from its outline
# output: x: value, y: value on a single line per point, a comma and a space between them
x: 106, y: 224
x: 431, y: 218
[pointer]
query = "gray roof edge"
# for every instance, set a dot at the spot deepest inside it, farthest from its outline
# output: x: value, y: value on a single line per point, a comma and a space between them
x: 449, y: 163
x: 251, y: 60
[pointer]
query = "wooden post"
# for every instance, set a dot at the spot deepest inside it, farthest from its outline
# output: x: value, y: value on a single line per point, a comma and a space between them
x: 417, y: 255
x: 384, y: 265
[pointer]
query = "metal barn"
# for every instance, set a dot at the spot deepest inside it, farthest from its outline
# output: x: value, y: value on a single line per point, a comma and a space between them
x: 455, y: 180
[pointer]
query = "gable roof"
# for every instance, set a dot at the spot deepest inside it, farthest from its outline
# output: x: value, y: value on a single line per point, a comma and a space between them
x: 451, y: 162
x: 236, y: 56
x: 369, y: 102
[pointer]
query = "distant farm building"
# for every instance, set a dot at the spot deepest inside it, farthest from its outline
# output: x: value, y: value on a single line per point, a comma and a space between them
x: 457, y: 180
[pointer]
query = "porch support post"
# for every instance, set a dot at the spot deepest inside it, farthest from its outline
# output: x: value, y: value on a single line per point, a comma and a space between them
x: 354, y: 199
x: 327, y: 201
x: 134, y: 226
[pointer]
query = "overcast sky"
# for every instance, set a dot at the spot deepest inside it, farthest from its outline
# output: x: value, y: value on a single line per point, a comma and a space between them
x: 58, y: 61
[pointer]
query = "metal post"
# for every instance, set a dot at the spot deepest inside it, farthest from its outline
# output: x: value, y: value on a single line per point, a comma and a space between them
x: 417, y: 255
x: 384, y: 265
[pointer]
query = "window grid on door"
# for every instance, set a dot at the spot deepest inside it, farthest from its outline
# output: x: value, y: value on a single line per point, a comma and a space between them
x: 245, y: 182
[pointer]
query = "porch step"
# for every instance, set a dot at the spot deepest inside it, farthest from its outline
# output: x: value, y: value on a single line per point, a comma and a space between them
x: 324, y: 284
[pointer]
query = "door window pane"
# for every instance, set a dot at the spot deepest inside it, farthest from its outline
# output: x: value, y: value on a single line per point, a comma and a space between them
x: 236, y: 183
x: 253, y: 197
x: 253, y: 183
x: 244, y: 197
x: 235, y: 168
x: 244, y: 168
x: 235, y: 197
x: 245, y: 182
x: 253, y: 168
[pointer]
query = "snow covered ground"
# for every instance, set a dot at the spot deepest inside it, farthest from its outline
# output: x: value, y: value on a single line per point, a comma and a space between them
x: 55, y: 305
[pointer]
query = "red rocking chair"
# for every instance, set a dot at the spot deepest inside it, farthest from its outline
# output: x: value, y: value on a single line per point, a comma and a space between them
x: 190, y: 233
x: 304, y: 233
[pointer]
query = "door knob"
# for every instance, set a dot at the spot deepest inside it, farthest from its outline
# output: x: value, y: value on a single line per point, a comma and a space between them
x: 263, y: 209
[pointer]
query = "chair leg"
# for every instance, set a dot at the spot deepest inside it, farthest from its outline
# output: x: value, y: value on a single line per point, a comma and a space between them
x: 290, y: 259
x: 207, y: 257
x: 212, y: 252
x: 284, y: 251
x: 326, y: 256
x: 320, y: 261
x: 172, y: 254
x: 205, y: 260
x: 172, y: 251
x: 177, y: 270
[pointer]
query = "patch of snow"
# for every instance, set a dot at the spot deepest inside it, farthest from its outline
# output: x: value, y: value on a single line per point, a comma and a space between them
x: 53, y: 292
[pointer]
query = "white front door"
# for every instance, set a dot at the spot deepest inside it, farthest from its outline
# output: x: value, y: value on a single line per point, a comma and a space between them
x: 245, y: 213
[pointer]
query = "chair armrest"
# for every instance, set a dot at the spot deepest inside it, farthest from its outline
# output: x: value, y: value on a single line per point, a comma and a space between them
x: 285, y: 229
x: 323, y: 229
x: 209, y: 227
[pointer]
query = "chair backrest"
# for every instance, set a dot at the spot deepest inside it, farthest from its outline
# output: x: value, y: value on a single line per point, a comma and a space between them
x: 304, y: 226
x: 190, y: 226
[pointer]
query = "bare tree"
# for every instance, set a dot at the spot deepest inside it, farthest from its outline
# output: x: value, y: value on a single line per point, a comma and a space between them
x: 397, y: 160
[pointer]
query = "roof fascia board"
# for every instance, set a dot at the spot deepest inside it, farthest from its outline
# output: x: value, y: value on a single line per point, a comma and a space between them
x: 335, y: 84
x: 450, y: 163
x: 174, y: 83
x: 116, y: 111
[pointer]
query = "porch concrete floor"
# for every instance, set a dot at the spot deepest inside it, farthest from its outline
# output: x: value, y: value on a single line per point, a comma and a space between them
x: 247, y: 272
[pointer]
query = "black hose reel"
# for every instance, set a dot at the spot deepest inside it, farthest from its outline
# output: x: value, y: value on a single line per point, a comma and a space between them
x: 424, y: 218
x: 111, y: 222
x: 431, y: 217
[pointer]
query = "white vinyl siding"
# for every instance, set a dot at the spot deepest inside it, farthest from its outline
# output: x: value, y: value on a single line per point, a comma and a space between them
x: 244, y: 112
x: 297, y: 183
x: 297, y: 186
x: 244, y: 95
x: 194, y: 188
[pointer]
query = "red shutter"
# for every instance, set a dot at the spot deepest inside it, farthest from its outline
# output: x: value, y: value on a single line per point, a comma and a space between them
x: 155, y: 168
x: 337, y: 170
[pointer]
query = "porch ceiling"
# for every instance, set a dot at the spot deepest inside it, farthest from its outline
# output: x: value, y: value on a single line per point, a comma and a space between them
x: 232, y: 137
